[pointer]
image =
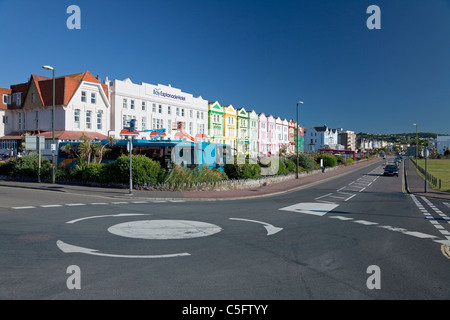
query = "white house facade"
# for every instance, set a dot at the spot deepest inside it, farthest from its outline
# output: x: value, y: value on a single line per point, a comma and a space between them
x: 156, y: 107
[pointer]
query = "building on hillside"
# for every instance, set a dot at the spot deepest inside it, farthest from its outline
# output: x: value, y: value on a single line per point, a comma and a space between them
x: 442, y: 144
x: 347, y: 139
x: 215, y: 122
x: 157, y: 107
x: 81, y: 108
x: 253, y: 133
x: 242, y: 132
x: 229, y: 127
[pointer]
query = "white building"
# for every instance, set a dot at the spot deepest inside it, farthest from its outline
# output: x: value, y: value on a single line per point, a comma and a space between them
x: 442, y: 143
x: 156, y: 107
x: 322, y: 137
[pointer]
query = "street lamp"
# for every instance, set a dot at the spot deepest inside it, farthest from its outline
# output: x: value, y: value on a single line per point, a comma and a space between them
x: 417, y: 141
x: 296, y: 140
x: 53, y: 124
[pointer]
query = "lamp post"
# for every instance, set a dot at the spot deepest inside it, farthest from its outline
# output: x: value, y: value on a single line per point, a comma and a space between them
x: 53, y: 124
x: 417, y: 141
x: 296, y: 141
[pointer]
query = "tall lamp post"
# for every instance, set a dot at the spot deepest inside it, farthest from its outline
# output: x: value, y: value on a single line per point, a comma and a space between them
x: 417, y: 141
x: 296, y: 140
x: 53, y: 124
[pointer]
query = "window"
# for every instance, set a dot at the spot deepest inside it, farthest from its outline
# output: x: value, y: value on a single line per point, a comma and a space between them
x: 76, y: 118
x: 19, y: 121
x: 36, y: 119
x: 124, y: 121
x: 88, y: 119
x: 6, y: 99
x: 201, y: 114
x: 178, y: 111
x: 190, y: 127
x: 143, y: 105
x: 190, y: 114
x: 125, y: 103
x: 154, y: 107
x: 143, y: 123
x: 5, y: 119
x: 160, y: 109
x: 132, y: 104
x: 99, y: 120
x: 83, y: 96
x: 93, y: 98
x: 168, y: 109
x: 198, y: 115
x: 169, y: 126
x: 32, y: 97
x: 182, y: 112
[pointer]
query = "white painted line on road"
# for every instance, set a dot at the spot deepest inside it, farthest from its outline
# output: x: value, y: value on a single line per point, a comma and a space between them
x: 139, y: 202
x: 75, y: 204
x: 350, y: 197
x: 362, y: 189
x: 340, y: 218
x: 109, y: 215
x: 120, y: 202
x: 270, y: 228
x: 98, y: 203
x: 68, y: 248
x: 313, y: 208
x: 364, y: 222
x: 329, y: 194
x: 51, y: 205
x: 21, y: 208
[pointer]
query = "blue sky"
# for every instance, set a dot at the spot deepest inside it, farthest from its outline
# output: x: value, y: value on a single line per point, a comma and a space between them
x: 261, y: 55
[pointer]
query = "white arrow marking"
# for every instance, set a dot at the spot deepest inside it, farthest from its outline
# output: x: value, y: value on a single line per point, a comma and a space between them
x: 68, y: 248
x: 110, y: 215
x: 270, y: 228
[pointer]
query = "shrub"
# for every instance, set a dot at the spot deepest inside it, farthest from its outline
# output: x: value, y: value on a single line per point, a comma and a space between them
x: 291, y: 166
x: 306, y: 162
x: 328, y: 160
x: 144, y: 169
x: 349, y: 160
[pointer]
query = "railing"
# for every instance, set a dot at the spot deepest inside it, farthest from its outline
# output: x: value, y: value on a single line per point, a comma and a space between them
x: 430, y: 178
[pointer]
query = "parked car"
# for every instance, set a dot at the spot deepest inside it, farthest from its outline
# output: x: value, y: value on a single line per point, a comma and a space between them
x: 391, y: 170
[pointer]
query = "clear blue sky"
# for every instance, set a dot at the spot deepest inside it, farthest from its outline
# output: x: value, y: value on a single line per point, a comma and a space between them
x: 261, y: 55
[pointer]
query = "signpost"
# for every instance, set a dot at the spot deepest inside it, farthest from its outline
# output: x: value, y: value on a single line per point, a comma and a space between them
x: 35, y: 144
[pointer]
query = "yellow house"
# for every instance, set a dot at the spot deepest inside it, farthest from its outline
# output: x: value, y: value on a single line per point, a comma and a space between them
x: 229, y: 127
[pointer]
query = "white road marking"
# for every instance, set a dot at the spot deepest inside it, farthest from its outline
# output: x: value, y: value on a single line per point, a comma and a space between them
x: 51, y: 205
x: 75, y: 204
x: 21, y: 208
x: 270, y: 228
x: 68, y: 248
x: 109, y: 215
x: 366, y: 223
x: 314, y: 208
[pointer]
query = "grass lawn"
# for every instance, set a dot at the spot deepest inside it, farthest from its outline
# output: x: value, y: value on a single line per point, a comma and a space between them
x: 440, y: 168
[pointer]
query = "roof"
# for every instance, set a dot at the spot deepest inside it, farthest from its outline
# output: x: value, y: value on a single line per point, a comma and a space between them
x: 72, y: 135
x: 65, y: 87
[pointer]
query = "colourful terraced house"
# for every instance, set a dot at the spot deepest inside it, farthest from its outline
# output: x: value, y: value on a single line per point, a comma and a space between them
x: 242, y: 132
x: 215, y: 122
x: 229, y: 127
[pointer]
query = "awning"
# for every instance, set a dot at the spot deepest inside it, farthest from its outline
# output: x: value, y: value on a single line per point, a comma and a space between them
x: 201, y: 135
x: 154, y: 133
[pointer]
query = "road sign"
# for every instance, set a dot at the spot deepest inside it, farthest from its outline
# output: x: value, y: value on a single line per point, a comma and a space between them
x: 34, y: 143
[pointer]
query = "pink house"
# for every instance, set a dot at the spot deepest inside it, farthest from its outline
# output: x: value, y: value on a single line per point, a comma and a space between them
x: 262, y: 135
x: 272, y: 144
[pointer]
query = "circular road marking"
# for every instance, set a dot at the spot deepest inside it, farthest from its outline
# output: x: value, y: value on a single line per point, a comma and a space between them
x: 164, y: 229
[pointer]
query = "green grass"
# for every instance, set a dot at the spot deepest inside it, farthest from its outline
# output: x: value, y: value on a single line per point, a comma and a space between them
x: 440, y: 168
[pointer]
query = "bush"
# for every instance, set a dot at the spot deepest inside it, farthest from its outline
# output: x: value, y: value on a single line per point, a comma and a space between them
x: 26, y: 166
x: 144, y: 170
x: 306, y: 162
x: 349, y: 160
x: 291, y: 166
x: 94, y: 172
x: 243, y: 171
x: 328, y: 160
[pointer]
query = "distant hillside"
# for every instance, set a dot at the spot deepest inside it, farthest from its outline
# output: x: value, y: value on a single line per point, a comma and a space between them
x: 399, y: 137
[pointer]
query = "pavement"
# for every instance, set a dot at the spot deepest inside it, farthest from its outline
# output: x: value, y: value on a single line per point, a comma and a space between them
x: 267, y: 190
x: 413, y: 182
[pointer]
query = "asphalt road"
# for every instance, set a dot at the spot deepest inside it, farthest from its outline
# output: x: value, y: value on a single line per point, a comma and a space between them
x: 358, y: 236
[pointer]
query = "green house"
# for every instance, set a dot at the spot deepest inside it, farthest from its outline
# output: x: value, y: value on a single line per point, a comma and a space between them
x: 215, y: 122
x: 242, y: 141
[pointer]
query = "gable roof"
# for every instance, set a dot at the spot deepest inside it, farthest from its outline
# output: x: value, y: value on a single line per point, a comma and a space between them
x: 65, y: 87
x: 3, y: 91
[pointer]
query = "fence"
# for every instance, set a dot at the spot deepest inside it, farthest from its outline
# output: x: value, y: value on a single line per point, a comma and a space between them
x: 437, y: 183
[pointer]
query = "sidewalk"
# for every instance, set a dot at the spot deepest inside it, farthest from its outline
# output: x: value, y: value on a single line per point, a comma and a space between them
x: 415, y: 184
x: 267, y: 190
